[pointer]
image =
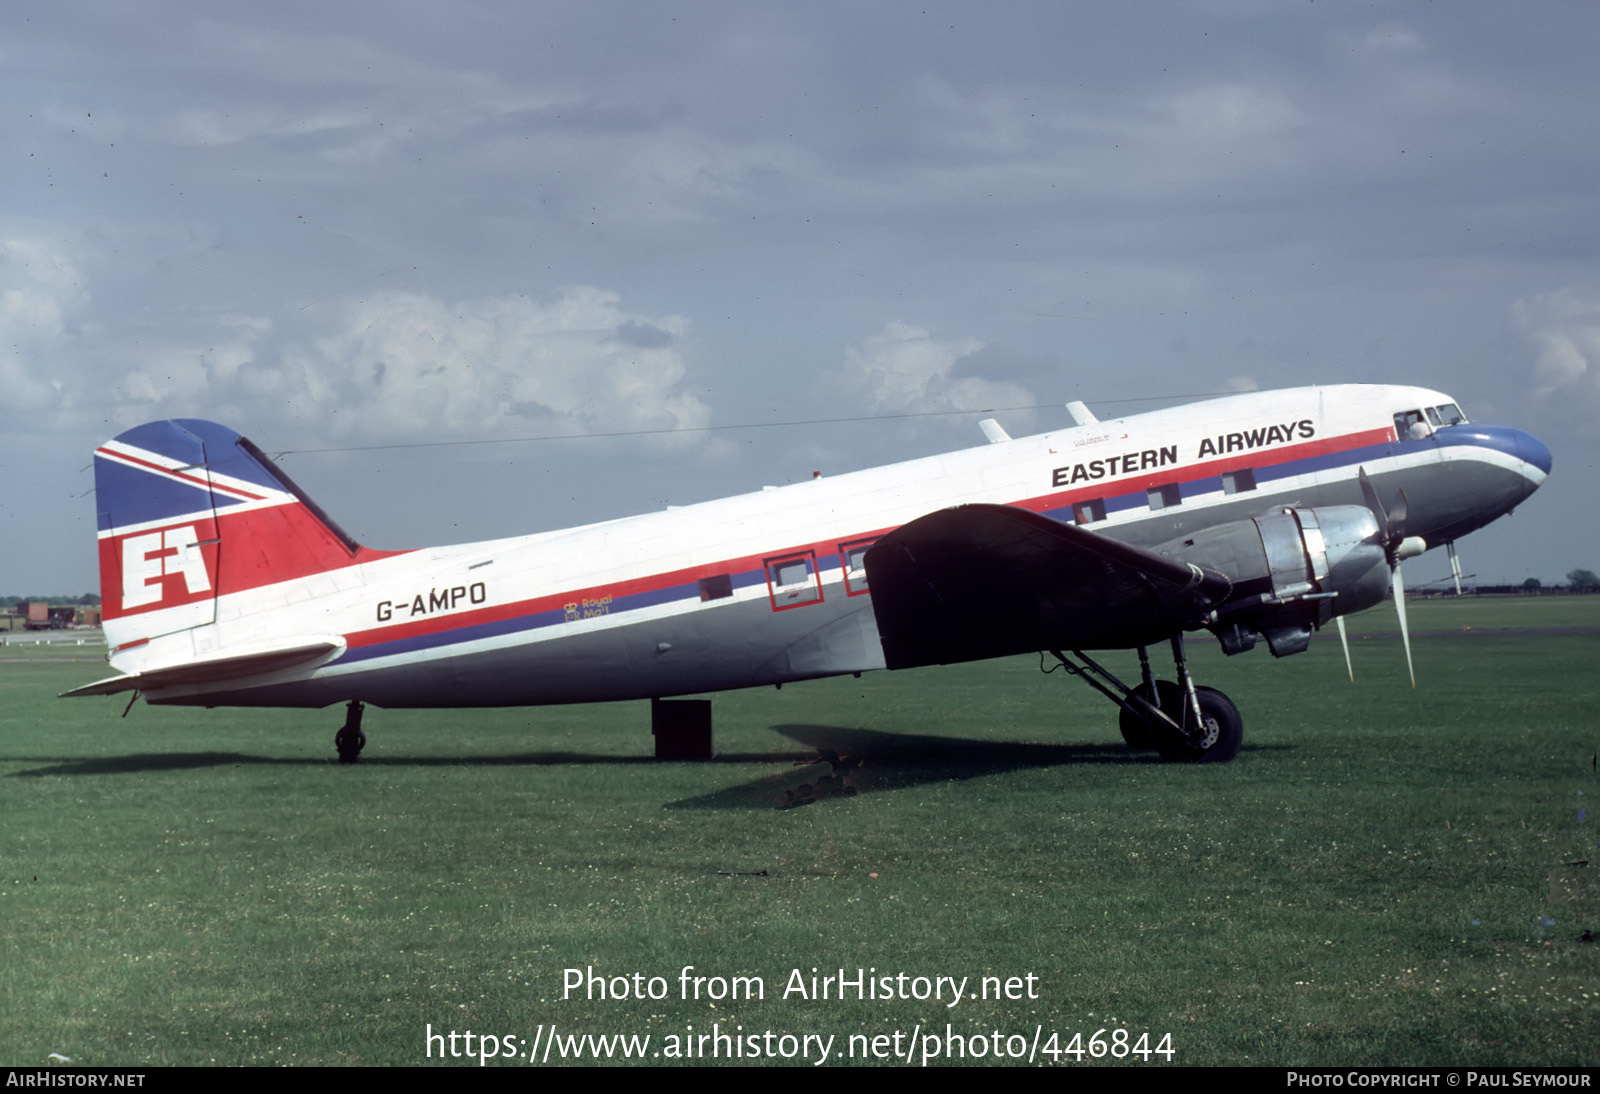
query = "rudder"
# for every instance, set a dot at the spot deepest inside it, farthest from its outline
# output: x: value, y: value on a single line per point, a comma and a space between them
x: 189, y: 512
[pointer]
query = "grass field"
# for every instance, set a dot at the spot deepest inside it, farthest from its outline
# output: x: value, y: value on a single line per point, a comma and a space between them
x: 1383, y: 876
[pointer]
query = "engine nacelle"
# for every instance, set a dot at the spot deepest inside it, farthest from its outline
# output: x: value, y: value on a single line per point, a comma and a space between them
x: 1292, y: 571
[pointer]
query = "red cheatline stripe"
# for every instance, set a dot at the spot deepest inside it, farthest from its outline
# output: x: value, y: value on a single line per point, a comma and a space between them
x: 415, y: 628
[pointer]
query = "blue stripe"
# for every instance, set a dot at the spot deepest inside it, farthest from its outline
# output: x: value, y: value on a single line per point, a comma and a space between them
x: 1513, y: 442
x: 1327, y: 462
x: 649, y: 598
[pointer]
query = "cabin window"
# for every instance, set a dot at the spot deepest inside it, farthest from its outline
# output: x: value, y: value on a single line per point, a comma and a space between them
x: 1238, y: 482
x: 793, y: 580
x: 716, y: 587
x: 1087, y: 512
x: 1163, y: 497
x: 853, y: 560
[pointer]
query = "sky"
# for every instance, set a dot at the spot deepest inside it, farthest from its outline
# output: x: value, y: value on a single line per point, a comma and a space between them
x: 628, y: 241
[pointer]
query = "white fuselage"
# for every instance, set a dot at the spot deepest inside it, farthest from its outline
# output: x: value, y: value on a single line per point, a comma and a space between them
x: 766, y: 587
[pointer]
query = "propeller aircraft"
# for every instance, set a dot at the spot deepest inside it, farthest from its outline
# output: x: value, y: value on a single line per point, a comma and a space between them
x: 1256, y: 517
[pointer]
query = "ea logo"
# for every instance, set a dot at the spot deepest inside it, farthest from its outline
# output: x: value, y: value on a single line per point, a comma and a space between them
x: 149, y: 558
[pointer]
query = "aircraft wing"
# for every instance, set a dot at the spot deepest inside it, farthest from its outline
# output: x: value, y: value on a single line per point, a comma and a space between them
x: 981, y: 581
x: 212, y: 669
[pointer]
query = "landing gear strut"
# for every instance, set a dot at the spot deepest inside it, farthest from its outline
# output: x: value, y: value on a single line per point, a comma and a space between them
x: 1164, y: 695
x: 1187, y: 724
x: 350, y: 740
x: 1138, y: 729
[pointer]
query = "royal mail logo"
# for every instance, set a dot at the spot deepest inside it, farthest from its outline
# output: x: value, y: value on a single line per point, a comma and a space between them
x: 148, y: 559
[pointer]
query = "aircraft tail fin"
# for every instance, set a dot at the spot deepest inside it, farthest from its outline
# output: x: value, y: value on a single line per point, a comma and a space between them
x: 190, y: 511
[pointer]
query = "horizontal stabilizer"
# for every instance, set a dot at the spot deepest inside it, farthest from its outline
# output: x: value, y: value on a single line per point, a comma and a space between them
x: 982, y: 581
x: 211, y: 669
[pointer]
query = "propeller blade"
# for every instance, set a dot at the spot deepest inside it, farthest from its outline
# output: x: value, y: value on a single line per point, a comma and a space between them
x: 1405, y: 630
x: 1397, y: 545
x: 1397, y: 516
x: 1455, y: 564
x: 1370, y: 494
x: 1344, y: 640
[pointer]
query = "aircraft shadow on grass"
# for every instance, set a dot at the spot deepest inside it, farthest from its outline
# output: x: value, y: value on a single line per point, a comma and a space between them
x: 140, y: 762
x: 853, y: 761
x: 838, y: 762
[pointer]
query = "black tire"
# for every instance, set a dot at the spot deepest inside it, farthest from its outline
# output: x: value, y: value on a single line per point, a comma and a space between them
x: 1224, y: 732
x: 1141, y: 734
x: 349, y: 745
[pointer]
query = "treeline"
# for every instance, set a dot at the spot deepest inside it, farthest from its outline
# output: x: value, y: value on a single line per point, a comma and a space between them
x: 87, y: 600
x: 1506, y: 590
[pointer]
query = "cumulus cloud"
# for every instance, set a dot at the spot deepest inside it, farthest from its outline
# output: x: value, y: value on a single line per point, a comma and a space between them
x: 40, y: 289
x: 193, y: 369
x: 906, y: 369
x: 404, y: 364
x: 1565, y: 325
x: 395, y: 366
x: 407, y: 364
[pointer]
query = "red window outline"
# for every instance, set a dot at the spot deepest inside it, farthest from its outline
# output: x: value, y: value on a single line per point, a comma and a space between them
x: 844, y: 564
x: 797, y: 588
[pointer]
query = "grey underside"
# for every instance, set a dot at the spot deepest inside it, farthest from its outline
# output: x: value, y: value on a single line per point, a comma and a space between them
x: 715, y: 648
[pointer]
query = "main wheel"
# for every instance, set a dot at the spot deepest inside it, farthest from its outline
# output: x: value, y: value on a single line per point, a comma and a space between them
x: 1141, y: 733
x: 1218, y: 741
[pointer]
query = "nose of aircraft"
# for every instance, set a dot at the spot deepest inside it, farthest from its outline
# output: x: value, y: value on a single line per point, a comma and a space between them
x: 1493, y: 484
x: 1524, y: 446
x: 1513, y: 442
x: 1532, y: 449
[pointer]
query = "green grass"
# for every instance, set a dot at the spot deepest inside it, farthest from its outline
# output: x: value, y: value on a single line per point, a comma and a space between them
x: 1369, y: 883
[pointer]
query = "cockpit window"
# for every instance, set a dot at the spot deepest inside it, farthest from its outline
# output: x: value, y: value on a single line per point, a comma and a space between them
x: 1416, y: 425
x: 1410, y: 425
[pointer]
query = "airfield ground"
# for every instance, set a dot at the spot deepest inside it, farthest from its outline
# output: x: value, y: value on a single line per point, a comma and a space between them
x: 1384, y: 876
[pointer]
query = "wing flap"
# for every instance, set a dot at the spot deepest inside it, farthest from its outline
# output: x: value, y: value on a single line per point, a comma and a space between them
x: 980, y: 581
x: 210, y: 670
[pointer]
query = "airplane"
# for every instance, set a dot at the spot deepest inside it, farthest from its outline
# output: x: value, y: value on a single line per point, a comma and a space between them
x: 1256, y: 517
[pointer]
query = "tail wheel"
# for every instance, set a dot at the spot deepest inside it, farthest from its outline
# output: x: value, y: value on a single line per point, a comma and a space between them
x: 349, y: 743
x: 1220, y: 734
x: 1142, y: 733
